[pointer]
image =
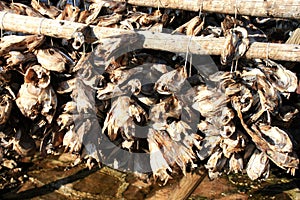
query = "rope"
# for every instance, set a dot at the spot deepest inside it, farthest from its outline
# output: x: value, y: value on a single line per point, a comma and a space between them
x: 235, y: 12
x: 40, y: 26
x: 2, y: 19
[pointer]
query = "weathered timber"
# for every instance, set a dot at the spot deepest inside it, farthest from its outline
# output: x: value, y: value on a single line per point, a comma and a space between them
x: 149, y: 40
x: 259, y: 8
x: 179, y: 190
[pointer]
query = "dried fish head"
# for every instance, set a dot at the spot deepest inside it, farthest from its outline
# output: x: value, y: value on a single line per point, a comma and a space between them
x: 120, y: 118
x: 6, y: 103
x: 242, y: 100
x: 192, y: 27
x: 20, y: 43
x: 37, y: 76
x: 148, y: 19
x: 159, y: 113
x: 24, y: 144
x: 33, y: 101
x: 227, y: 115
x: 158, y: 163
x: 236, y: 143
x: 44, y: 9
x: 16, y: 58
x: 236, y: 45
x: 209, y: 101
x: 236, y: 163
x: 281, y: 78
x: 171, y: 82
x: 268, y: 95
x: 178, y: 129
x: 215, y: 164
x: 52, y: 59
x: 277, y: 139
x: 258, y: 166
x: 228, y: 129
x: 70, y: 13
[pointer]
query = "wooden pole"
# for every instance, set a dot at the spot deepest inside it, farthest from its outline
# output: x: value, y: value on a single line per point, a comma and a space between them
x: 259, y: 8
x: 149, y: 40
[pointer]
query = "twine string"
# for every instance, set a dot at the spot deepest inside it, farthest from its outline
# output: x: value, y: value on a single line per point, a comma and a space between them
x: 2, y: 22
x: 40, y: 26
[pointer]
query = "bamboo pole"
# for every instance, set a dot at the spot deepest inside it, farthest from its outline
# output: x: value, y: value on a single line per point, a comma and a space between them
x: 259, y: 8
x: 149, y: 40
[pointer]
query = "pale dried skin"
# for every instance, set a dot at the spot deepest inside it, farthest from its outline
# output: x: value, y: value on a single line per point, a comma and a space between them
x: 236, y: 163
x: 285, y: 160
x: 281, y: 78
x: 209, y: 101
x: 20, y: 43
x: 111, y: 90
x: 94, y: 10
x: 158, y: 163
x: 71, y: 140
x: 6, y: 103
x: 208, y: 128
x: 207, y: 146
x: 70, y: 13
x: 17, y: 58
x: 33, y: 101
x: 234, y: 144
x: 177, y: 129
x: 44, y: 9
x: 236, y: 45
x: 279, y: 141
x: 171, y: 82
x: 169, y: 107
x: 258, y: 166
x: 192, y: 27
x: 22, y: 9
x: 120, y: 118
x: 215, y: 164
x: 174, y: 152
x: 105, y: 21
x: 53, y: 59
x: 243, y: 99
x: 119, y: 76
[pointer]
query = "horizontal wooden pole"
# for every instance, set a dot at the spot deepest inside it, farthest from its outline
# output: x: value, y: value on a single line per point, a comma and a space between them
x: 260, y: 8
x: 149, y: 40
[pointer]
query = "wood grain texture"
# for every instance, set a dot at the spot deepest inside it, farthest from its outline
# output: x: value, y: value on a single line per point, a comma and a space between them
x: 147, y: 39
x: 179, y: 189
x: 260, y: 8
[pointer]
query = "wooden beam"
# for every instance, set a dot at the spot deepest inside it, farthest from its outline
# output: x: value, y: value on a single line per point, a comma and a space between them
x: 260, y: 8
x: 147, y: 39
x: 178, y: 189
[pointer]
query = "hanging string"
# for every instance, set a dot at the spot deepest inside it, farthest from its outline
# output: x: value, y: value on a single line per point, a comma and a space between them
x: 2, y: 19
x: 267, y: 54
x: 189, y: 43
x: 235, y: 12
x: 187, y: 54
x: 40, y: 26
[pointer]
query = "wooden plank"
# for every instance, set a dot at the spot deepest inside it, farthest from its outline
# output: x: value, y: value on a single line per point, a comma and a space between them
x: 260, y: 8
x: 178, y: 189
x: 295, y: 37
x: 147, y: 39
